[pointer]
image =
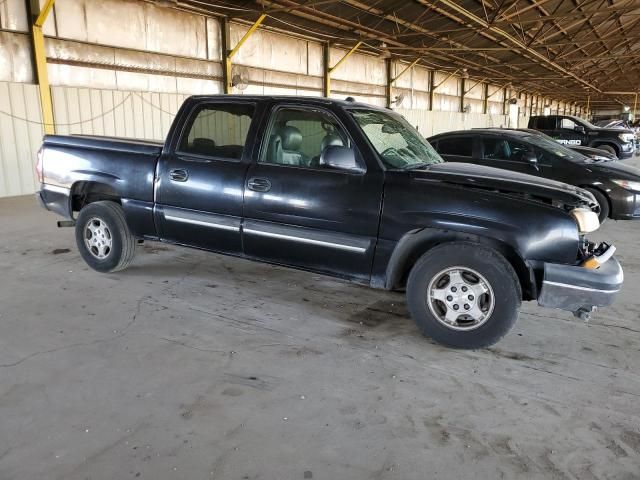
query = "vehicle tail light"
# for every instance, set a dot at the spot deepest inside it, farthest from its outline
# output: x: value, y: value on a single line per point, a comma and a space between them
x: 39, y: 166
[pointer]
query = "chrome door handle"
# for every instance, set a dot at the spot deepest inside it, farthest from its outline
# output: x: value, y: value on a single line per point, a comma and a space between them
x: 259, y: 184
x: 179, y: 175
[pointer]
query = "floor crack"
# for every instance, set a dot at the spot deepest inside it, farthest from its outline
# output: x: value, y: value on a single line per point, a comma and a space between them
x: 120, y: 334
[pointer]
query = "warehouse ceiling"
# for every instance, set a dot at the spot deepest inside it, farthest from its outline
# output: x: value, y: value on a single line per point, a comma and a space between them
x: 565, y: 49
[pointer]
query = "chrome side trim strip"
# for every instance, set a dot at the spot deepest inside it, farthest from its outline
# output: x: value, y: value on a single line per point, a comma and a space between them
x: 204, y: 219
x: 201, y: 222
x: 310, y: 241
x: 577, y: 287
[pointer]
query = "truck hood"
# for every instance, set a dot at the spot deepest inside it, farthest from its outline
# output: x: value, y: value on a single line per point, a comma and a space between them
x: 614, y: 132
x: 508, y: 183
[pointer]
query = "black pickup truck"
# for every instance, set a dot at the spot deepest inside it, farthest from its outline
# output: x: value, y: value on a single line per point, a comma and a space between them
x: 344, y: 189
x: 570, y: 131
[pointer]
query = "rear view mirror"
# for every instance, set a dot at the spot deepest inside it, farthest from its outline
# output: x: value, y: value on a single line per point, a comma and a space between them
x: 579, y: 128
x: 340, y: 158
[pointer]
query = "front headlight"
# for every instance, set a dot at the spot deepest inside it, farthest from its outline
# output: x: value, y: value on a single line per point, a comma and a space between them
x: 626, y: 137
x: 586, y: 220
x: 628, y: 185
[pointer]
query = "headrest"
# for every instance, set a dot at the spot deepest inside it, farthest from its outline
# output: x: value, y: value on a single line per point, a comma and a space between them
x: 291, y: 138
x: 331, y: 140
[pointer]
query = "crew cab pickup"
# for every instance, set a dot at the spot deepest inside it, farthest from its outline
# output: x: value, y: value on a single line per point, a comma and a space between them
x: 570, y: 131
x: 344, y: 189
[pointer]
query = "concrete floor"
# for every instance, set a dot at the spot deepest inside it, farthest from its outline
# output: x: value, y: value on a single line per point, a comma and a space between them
x: 192, y: 365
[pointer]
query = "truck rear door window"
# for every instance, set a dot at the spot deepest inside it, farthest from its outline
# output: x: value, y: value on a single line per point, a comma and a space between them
x: 218, y: 131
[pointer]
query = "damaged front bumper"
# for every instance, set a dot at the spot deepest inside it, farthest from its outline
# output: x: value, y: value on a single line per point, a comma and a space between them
x: 579, y: 289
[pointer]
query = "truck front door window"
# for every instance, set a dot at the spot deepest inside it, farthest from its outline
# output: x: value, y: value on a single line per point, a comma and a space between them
x: 501, y: 149
x: 298, y: 137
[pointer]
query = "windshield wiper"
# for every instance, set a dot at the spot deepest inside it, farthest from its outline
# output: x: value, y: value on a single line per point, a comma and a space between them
x: 416, y: 166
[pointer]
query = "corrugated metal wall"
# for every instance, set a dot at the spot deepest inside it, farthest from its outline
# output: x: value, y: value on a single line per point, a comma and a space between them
x: 20, y: 137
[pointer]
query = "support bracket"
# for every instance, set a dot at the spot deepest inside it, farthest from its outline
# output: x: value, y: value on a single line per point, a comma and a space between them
x: 329, y: 70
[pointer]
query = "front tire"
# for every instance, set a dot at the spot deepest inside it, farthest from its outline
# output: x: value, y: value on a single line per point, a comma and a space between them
x: 103, y: 237
x: 463, y: 295
x: 608, y: 148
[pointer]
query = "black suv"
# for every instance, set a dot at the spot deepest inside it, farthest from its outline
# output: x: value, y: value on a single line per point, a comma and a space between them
x: 615, y: 186
x: 570, y: 130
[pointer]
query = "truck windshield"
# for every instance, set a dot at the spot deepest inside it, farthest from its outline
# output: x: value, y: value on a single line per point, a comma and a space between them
x: 397, y: 142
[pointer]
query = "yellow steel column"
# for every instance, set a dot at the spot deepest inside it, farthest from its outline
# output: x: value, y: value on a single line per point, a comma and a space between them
x: 41, y: 67
x: 230, y: 54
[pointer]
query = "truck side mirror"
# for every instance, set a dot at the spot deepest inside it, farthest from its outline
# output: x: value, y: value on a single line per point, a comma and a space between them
x: 340, y: 158
x: 579, y: 128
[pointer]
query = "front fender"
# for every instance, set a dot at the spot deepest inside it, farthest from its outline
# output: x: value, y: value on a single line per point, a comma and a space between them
x: 415, y: 219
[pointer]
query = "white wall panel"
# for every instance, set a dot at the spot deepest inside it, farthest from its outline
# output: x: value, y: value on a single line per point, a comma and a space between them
x: 20, y: 137
x: 364, y: 68
x: 133, y: 24
x: 15, y: 58
x: 13, y: 15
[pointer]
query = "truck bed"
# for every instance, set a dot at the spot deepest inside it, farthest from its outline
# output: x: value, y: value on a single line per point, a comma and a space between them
x: 120, y: 144
x: 124, y: 168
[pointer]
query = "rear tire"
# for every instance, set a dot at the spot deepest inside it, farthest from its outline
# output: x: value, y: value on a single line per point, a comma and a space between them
x: 103, y: 237
x: 603, y: 201
x: 458, y: 273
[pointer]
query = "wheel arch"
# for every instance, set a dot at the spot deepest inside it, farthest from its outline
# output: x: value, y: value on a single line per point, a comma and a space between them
x: 416, y: 243
x: 85, y: 192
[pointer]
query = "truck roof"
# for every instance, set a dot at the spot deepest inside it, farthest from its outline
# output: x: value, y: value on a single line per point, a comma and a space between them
x: 347, y: 102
